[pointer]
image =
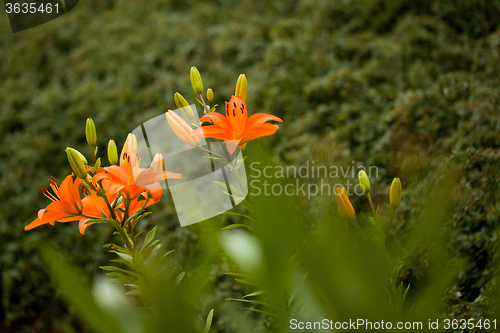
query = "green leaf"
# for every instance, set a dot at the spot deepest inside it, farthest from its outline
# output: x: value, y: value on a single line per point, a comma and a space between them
x: 128, y: 259
x: 226, y: 186
x: 149, y: 237
x: 208, y: 323
x: 152, y: 256
x: 260, y: 311
x: 255, y: 293
x: 246, y: 282
x: 135, y: 292
x: 247, y: 206
x: 237, y: 274
x: 150, y: 245
x: 133, y: 216
x: 140, y: 218
x: 138, y: 261
x: 116, y: 269
x: 214, y: 158
x: 117, y: 248
x: 166, y: 254
x: 180, y: 277
x: 119, y: 275
x: 103, y: 220
x: 118, y: 200
x: 248, y: 301
x: 237, y: 214
x: 122, y: 281
x: 236, y: 225
x: 137, y: 235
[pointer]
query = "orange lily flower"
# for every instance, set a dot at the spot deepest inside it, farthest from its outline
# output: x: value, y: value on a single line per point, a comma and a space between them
x: 129, y: 177
x: 94, y: 205
x: 236, y: 128
x: 66, y: 203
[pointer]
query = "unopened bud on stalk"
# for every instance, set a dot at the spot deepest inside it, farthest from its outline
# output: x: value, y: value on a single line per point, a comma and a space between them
x: 395, y: 193
x: 364, y: 181
x: 210, y: 94
x: 345, y: 206
x: 241, y: 87
x: 90, y: 132
x: 112, y: 152
x: 183, y: 105
x: 76, y: 162
x: 196, y: 81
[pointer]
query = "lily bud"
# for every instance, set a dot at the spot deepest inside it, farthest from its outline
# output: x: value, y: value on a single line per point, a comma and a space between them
x: 97, y: 164
x: 395, y: 193
x: 183, y: 105
x: 182, y: 129
x: 345, y: 206
x: 76, y: 162
x: 112, y: 152
x: 241, y: 87
x: 210, y: 94
x: 90, y: 132
x: 364, y: 181
x: 196, y: 81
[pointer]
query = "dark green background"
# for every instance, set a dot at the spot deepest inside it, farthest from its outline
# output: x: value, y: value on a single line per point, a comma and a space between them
x: 409, y: 86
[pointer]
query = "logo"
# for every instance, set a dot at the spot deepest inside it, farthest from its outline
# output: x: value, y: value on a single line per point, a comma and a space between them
x: 210, y: 185
x: 26, y: 14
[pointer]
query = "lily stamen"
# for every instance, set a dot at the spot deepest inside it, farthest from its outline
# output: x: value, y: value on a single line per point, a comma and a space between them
x: 45, y: 192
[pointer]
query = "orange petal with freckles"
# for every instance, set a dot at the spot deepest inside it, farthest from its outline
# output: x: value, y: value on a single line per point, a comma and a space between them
x: 212, y: 131
x: 217, y: 120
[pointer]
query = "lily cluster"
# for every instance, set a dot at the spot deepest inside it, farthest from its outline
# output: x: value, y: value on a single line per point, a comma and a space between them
x: 116, y: 194
x: 234, y: 127
x: 346, y: 209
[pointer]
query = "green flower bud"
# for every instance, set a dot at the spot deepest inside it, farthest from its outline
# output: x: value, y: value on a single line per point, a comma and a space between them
x: 196, y: 81
x: 395, y: 193
x: 76, y: 162
x: 97, y: 164
x: 241, y: 87
x: 112, y: 152
x: 84, y: 160
x: 90, y: 132
x: 364, y: 181
x: 210, y: 94
x: 183, y: 105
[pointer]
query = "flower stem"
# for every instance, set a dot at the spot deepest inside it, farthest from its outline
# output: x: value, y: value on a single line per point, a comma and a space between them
x: 211, y: 152
x: 392, y: 215
x: 125, y: 216
x: 371, y: 204
x: 126, y: 240
x: 204, y: 104
x: 93, y: 154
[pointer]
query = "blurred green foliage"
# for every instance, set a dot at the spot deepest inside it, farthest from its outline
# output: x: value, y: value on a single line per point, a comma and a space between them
x: 411, y: 87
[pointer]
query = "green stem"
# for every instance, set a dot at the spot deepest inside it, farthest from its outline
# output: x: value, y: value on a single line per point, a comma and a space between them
x: 211, y: 152
x: 125, y: 216
x: 371, y: 204
x: 126, y: 240
x: 93, y: 154
x: 111, y: 210
x: 392, y: 215
x: 204, y: 104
